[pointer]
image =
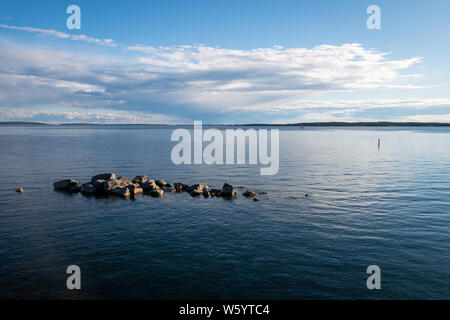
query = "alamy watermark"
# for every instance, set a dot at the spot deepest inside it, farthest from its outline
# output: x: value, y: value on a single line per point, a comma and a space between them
x: 374, y: 280
x: 74, y: 20
x: 374, y: 20
x: 234, y: 148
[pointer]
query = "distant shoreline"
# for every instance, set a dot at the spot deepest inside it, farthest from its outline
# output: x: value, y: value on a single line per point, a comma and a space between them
x: 306, y: 124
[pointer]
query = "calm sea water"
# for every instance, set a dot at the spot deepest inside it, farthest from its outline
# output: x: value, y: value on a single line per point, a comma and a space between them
x: 389, y: 207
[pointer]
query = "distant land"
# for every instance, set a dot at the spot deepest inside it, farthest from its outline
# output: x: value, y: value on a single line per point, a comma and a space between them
x: 305, y: 124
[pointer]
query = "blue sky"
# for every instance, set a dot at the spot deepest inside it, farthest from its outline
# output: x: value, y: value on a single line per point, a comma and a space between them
x: 224, y: 61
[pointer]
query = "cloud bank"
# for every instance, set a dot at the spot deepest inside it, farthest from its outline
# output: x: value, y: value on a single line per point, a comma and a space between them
x: 198, y: 82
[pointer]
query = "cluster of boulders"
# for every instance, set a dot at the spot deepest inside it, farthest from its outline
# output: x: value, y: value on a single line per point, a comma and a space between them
x: 109, y: 184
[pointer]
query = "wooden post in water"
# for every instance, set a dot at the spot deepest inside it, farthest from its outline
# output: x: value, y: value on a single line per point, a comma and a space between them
x: 379, y: 141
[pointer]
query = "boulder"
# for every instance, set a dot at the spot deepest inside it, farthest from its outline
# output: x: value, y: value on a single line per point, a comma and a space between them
x: 140, y: 179
x: 215, y: 192
x: 206, y: 193
x: 149, y: 186
x: 169, y: 185
x: 88, y: 189
x: 112, y: 184
x: 20, y: 190
x: 121, y: 192
x: 65, y: 184
x: 157, y: 193
x: 255, y: 199
x: 228, y: 192
x: 180, y: 187
x: 135, y: 189
x: 76, y: 188
x: 160, y: 183
x: 197, y: 187
x: 103, y: 176
x: 249, y: 194
x: 99, y: 185
x: 167, y: 189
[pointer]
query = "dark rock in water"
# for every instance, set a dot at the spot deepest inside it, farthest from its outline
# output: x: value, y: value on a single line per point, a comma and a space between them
x: 88, y: 189
x: 76, y: 188
x: 99, y: 185
x: 206, y: 193
x: 140, y: 179
x: 112, y: 184
x: 157, y: 193
x: 197, y: 187
x: 149, y: 186
x: 263, y: 192
x: 135, y: 189
x: 255, y: 199
x: 215, y: 192
x: 160, y: 183
x: 167, y: 189
x: 249, y: 194
x: 121, y: 192
x: 228, y: 192
x: 180, y: 187
x: 20, y: 190
x: 168, y: 185
x: 306, y: 195
x: 103, y: 176
x: 65, y: 184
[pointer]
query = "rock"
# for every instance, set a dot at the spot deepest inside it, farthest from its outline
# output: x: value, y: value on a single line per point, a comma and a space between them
x: 197, y: 187
x: 306, y: 195
x: 99, y: 185
x: 157, y: 193
x: 228, y: 192
x: 215, y: 192
x: 263, y: 192
x: 103, y: 176
x: 140, y: 179
x: 169, y: 185
x: 65, y: 184
x: 121, y: 192
x: 135, y: 189
x: 20, y: 190
x: 206, y: 193
x: 196, y: 193
x: 149, y: 186
x: 249, y: 194
x: 255, y: 199
x: 167, y: 189
x: 160, y: 183
x: 88, y: 189
x: 180, y: 187
x: 76, y: 188
x: 112, y: 184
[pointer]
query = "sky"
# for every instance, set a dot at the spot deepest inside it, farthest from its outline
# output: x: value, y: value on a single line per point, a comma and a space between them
x: 224, y: 62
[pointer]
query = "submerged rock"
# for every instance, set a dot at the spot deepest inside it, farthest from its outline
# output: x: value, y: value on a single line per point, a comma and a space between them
x: 103, y: 176
x: 140, y: 179
x: 65, y: 184
x: 76, y: 188
x: 249, y: 194
x: 88, y: 189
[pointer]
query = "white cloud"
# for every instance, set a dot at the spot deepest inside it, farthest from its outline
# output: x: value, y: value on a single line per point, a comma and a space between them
x: 183, y: 80
x: 62, y: 35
